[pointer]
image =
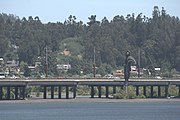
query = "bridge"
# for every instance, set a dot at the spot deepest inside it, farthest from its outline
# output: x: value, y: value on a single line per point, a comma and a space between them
x: 18, y: 86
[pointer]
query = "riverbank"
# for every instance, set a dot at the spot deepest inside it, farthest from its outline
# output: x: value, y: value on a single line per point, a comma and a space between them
x: 91, y: 100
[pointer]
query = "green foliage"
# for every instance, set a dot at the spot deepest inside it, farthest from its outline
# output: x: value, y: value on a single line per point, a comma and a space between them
x: 131, y: 92
x: 26, y: 70
x: 157, y: 37
x: 122, y: 94
x: 104, y: 69
x: 173, y: 90
x: 73, y: 45
x: 83, y: 90
x: 141, y: 97
x: 119, y: 96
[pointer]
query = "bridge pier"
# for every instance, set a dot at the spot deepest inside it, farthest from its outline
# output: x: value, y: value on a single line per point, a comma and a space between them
x: 45, y: 92
x: 23, y: 92
x: 99, y: 91
x: 114, y: 89
x: 74, y: 91
x: 19, y: 92
x: 1, y: 93
x: 144, y: 91
x: 107, y: 91
x: 92, y: 91
x: 59, y: 92
x: 179, y: 91
x: 67, y: 92
x: 16, y: 93
x: 151, y: 94
x: 8, y: 93
x: 52, y: 92
x: 137, y: 90
x: 166, y: 91
x: 159, y: 91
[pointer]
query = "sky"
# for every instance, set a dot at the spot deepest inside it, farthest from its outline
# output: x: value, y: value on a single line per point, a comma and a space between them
x: 60, y: 10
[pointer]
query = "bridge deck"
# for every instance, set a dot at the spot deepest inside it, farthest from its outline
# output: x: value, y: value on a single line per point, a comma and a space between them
x: 68, y: 82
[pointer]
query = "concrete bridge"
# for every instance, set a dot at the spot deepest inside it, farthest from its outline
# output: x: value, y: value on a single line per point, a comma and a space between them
x: 18, y: 86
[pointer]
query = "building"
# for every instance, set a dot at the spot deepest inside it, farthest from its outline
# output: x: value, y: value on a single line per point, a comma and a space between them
x: 63, y: 66
x: 118, y: 73
x: 1, y: 62
x: 12, y: 67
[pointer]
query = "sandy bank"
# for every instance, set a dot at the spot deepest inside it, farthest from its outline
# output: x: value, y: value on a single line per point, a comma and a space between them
x: 88, y: 100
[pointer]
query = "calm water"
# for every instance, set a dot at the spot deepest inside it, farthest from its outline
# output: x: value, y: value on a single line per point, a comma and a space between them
x: 90, y: 111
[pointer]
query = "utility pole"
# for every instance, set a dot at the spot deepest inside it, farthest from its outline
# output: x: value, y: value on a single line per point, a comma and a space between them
x: 139, y: 61
x: 94, y: 63
x: 46, y: 67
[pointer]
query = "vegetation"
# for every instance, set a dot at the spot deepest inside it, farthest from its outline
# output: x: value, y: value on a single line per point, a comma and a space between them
x: 158, y: 38
x: 172, y: 90
x: 120, y: 92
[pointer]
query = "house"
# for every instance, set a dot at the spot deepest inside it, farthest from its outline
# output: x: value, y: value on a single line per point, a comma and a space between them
x: 2, y: 75
x: 37, y: 64
x: 63, y: 66
x: 1, y: 62
x: 118, y: 73
x: 12, y: 67
x: 12, y: 63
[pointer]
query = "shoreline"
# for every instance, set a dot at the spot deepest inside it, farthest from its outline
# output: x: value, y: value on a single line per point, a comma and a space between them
x: 91, y: 100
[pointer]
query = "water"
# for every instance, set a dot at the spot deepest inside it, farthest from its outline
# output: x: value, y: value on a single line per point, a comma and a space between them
x: 90, y: 111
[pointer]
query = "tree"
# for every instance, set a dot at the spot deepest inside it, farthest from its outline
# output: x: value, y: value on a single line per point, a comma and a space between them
x: 104, y: 69
x: 157, y: 37
x: 3, y: 40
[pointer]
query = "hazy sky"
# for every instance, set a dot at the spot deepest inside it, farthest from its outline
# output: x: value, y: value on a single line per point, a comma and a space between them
x: 59, y: 10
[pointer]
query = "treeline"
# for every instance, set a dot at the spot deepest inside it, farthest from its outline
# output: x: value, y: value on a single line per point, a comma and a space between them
x: 157, y: 38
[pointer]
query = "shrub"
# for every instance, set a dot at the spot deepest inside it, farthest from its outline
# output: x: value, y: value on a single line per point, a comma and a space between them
x: 141, y: 96
x: 118, y: 96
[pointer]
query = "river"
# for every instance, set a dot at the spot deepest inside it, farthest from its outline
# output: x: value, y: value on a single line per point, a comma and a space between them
x: 84, y: 110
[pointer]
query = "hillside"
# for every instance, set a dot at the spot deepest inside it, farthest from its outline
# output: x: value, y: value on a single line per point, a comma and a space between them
x: 157, y: 38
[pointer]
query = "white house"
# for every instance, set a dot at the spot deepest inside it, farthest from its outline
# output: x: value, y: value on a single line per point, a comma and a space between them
x: 63, y: 66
